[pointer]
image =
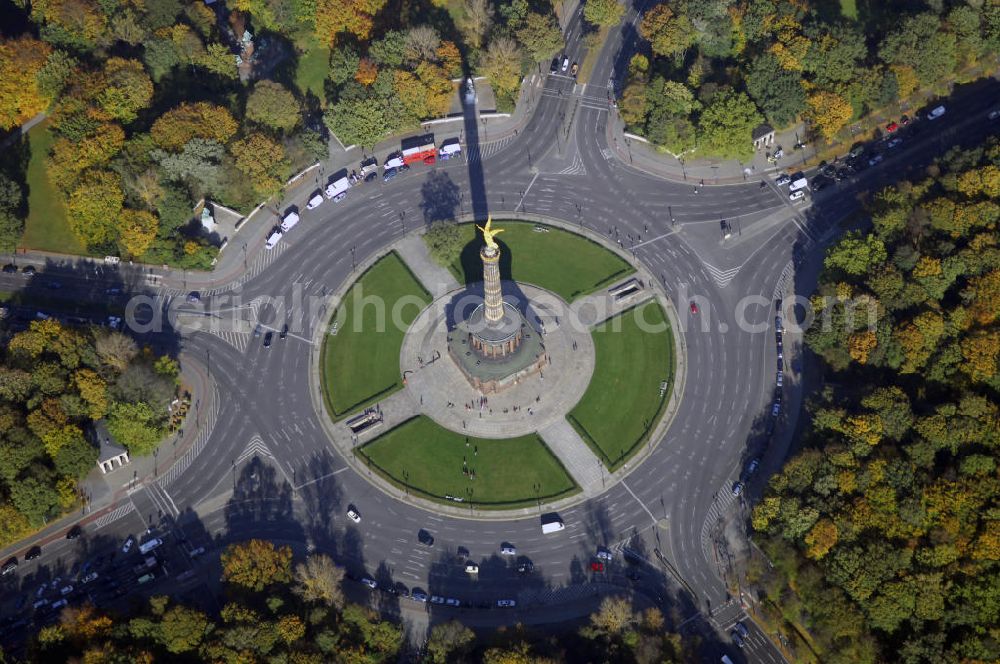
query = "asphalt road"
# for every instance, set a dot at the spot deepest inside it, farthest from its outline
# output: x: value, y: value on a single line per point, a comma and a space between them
x: 267, y: 468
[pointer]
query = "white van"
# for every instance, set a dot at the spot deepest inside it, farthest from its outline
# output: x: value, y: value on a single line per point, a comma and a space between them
x: 449, y: 150
x: 273, y: 240
x: 288, y: 223
x: 552, y: 527
x: 799, y: 181
x: 314, y: 202
x: 337, y: 188
x: 149, y: 545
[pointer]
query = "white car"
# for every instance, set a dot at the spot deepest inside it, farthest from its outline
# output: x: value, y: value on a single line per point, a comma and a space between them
x: 472, y: 568
x: 314, y: 202
x: 783, y: 179
x: 506, y: 603
x: 565, y: 64
x: 437, y: 599
x: 993, y: 115
x: 935, y: 113
x: 451, y: 601
x: 796, y: 195
x: 353, y: 515
x: 604, y: 554
x: 508, y: 550
x: 130, y: 542
x: 370, y: 582
x: 90, y: 577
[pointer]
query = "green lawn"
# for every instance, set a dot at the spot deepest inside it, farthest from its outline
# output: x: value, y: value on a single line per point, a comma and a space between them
x: 427, y: 459
x: 46, y: 228
x: 623, y: 402
x: 565, y: 263
x: 361, y: 361
x: 311, y: 72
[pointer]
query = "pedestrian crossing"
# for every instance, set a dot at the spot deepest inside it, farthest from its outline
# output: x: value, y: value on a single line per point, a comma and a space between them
x: 261, y: 262
x: 477, y: 153
x: 576, y: 168
x: 256, y: 447
x: 161, y: 499
x: 721, y: 277
x: 118, y: 513
x: 204, y: 433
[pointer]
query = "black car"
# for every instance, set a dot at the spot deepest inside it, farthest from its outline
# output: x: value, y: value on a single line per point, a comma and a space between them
x: 257, y: 331
x: 284, y: 331
x: 371, y: 177
x: 9, y: 268
x: 74, y: 532
x: 389, y: 174
x: 525, y: 567
x: 9, y: 566
x: 267, y: 339
x: 28, y: 270
x: 33, y: 552
x: 425, y: 537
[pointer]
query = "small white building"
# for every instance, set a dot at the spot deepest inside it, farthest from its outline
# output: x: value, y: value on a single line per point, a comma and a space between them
x: 110, y: 452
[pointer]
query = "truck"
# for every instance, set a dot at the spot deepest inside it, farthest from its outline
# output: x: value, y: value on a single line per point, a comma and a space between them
x: 552, y: 527
x: 368, y: 166
x: 450, y: 148
x: 338, y: 189
x: 149, y: 545
x: 273, y: 239
x: 288, y: 223
x: 799, y: 181
x: 419, y: 148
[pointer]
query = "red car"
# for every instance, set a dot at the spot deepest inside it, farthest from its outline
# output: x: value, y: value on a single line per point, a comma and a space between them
x: 891, y: 127
x: 694, y: 308
x: 597, y: 566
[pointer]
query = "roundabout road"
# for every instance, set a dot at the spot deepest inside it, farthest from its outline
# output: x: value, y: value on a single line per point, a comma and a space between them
x: 268, y: 469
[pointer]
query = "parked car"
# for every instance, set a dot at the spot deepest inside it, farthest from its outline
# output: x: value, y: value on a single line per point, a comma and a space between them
x: 797, y: 195
x: 783, y: 179
x: 33, y: 552
x: 10, y: 268
x: 370, y: 582
x: 603, y: 553
x: 738, y: 488
x: 506, y: 603
x: 935, y: 112
x: 425, y: 538
x: 9, y: 567
x: 74, y: 532
x: 418, y: 595
x: 525, y: 567
x: 353, y: 515
x: 508, y: 549
x: 451, y: 601
x: 891, y: 127
x: 596, y: 566
x: 28, y: 270
x: 129, y: 543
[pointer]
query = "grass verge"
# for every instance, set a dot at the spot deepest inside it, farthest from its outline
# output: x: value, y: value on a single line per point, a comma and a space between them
x: 47, y: 228
x: 634, y: 356
x: 424, y: 458
x: 360, y: 363
x: 565, y: 263
x: 311, y: 72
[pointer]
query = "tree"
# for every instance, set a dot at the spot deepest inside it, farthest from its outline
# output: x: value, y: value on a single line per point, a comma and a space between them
x: 256, y: 564
x: 160, y: 56
x: 449, y: 642
x: 829, y: 112
x: 218, y: 59
x: 451, y: 59
x: 318, y: 580
x: 176, y: 127
x: 182, y: 629
x: 357, y: 122
x: 93, y: 207
x: 126, y: 89
x: 76, y: 458
x: 115, y: 350
x: 604, y: 13
x: 422, y: 43
x: 272, y: 105
x: 34, y: 499
x: 667, y: 32
x: 134, y: 425
x: 21, y: 97
x: 777, y: 91
x: 445, y: 242
x: 263, y: 161
x: 726, y: 125
x: 475, y: 22
x: 71, y: 157
x: 198, y: 163
x: 540, y: 35
x: 835, y: 52
x: 856, y: 255
x: 502, y: 64
x: 367, y: 72
x: 137, y: 232
x: 613, y: 618
x: 920, y: 43
x: 77, y: 23
x: 356, y: 17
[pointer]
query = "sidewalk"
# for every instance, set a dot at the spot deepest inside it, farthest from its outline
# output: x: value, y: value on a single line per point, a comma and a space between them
x: 107, y: 491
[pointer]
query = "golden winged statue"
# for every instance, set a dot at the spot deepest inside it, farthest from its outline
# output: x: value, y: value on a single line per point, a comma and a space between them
x: 488, y: 233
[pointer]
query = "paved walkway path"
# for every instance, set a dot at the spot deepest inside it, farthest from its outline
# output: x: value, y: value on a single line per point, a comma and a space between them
x: 578, y: 459
x: 436, y: 279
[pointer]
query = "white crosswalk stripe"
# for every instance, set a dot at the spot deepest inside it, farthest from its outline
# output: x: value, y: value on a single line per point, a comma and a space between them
x: 261, y: 262
x: 255, y: 447
x: 722, y: 277
x: 576, y: 168
x: 487, y: 150
x: 204, y: 434
x: 159, y: 497
x: 112, y: 516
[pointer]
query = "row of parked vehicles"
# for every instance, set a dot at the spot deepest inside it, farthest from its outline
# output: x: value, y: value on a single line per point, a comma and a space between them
x: 418, y: 149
